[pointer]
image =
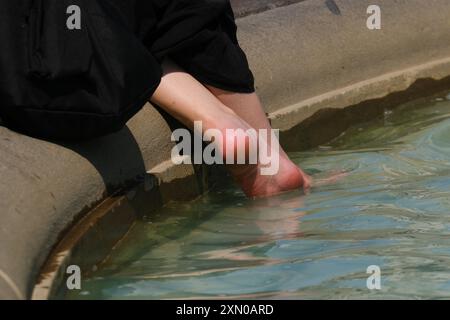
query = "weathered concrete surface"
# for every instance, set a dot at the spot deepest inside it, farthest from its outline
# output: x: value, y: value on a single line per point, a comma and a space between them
x: 305, y: 50
x: 246, y: 7
x: 44, y: 187
x: 299, y: 53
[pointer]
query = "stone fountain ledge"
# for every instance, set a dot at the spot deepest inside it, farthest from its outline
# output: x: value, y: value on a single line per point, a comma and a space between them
x: 306, y: 57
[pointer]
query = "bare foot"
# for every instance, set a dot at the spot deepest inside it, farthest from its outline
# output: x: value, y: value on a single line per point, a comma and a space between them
x: 255, y: 185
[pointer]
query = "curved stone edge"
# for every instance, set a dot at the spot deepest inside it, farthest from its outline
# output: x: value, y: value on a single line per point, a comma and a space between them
x: 88, y: 243
x: 305, y: 50
x: 8, y: 287
x: 297, y: 52
x: 375, y: 88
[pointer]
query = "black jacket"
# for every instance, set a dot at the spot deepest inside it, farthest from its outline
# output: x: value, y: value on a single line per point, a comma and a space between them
x: 62, y: 80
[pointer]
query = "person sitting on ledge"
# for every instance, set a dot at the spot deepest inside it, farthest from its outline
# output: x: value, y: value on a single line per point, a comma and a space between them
x: 211, y: 82
x: 83, y: 67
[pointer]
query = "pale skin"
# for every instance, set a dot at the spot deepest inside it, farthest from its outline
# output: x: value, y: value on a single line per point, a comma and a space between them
x: 188, y: 100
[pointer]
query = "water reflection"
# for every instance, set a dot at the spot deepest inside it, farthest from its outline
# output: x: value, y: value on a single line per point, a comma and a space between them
x: 391, y: 209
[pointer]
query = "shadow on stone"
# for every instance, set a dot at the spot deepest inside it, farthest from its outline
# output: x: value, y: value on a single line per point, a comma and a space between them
x: 116, y: 157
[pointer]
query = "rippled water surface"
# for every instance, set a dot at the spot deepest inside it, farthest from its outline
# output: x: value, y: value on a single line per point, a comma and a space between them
x: 392, y: 210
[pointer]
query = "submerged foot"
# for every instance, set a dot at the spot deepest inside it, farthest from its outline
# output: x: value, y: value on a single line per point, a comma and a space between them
x: 289, y: 178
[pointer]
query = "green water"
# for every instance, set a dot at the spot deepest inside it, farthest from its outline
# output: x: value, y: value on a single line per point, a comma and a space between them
x: 392, y: 210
